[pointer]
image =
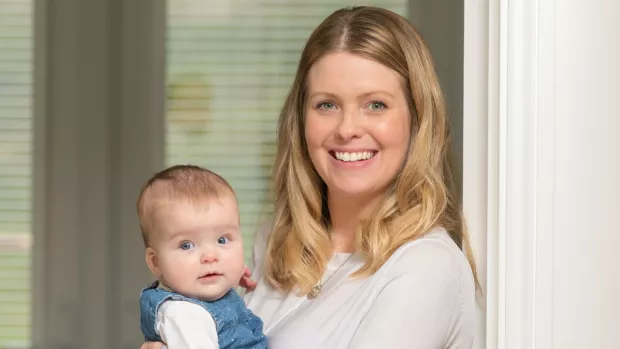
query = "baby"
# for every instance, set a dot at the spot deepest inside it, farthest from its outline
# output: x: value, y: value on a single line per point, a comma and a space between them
x: 190, y: 226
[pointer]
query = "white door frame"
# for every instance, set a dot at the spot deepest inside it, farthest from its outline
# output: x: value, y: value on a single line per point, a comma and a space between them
x: 508, y: 167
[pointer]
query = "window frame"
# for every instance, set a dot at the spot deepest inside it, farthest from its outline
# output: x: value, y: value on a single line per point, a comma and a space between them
x: 85, y: 121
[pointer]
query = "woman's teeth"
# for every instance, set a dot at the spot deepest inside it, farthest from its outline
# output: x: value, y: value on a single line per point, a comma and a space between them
x: 359, y: 156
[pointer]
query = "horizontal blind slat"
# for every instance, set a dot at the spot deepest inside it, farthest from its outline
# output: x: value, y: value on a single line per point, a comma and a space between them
x: 14, y: 204
x: 16, y: 53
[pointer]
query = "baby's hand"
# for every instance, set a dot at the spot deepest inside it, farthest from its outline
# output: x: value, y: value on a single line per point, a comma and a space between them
x: 246, y: 282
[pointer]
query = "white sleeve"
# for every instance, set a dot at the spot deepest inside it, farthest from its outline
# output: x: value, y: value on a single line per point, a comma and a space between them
x: 259, y: 247
x: 185, y: 325
x: 428, y: 302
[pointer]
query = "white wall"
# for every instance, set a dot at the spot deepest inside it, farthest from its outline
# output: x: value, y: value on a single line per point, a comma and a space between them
x: 480, y: 99
x: 541, y: 87
x: 587, y: 175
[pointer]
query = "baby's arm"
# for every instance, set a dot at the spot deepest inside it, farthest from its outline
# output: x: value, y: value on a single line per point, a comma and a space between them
x: 185, y: 325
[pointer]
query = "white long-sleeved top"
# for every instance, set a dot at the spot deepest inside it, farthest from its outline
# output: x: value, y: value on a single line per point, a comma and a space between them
x: 185, y: 325
x: 423, y: 297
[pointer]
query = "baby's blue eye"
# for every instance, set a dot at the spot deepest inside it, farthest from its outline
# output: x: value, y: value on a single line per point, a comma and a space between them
x: 187, y: 245
x: 222, y: 240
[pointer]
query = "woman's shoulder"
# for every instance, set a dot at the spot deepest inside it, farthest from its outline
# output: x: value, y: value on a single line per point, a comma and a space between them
x: 259, y: 245
x: 435, y: 255
x: 264, y: 229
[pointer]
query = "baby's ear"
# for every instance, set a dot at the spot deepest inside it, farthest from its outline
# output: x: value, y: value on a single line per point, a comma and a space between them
x: 152, y: 262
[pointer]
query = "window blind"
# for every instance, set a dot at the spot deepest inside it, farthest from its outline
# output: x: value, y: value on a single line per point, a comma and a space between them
x: 229, y: 67
x: 16, y: 46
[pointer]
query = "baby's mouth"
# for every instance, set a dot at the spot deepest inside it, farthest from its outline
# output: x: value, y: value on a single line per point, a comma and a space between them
x: 211, y: 275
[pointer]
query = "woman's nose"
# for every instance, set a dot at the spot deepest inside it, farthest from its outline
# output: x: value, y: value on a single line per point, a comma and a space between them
x: 349, y: 127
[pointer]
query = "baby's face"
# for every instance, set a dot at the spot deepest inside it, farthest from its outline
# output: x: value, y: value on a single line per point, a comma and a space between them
x: 197, y: 249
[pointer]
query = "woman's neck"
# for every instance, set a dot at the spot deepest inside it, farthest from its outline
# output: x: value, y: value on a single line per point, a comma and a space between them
x: 345, y: 213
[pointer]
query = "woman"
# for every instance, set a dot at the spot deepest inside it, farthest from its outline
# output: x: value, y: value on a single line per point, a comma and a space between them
x: 366, y: 245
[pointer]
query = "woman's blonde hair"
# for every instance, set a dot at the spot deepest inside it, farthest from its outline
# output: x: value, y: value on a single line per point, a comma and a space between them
x: 422, y: 196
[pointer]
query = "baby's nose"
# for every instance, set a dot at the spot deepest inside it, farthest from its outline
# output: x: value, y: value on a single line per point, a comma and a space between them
x: 209, y: 256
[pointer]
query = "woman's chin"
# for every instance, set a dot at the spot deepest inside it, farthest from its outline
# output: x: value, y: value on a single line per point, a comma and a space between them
x: 353, y: 190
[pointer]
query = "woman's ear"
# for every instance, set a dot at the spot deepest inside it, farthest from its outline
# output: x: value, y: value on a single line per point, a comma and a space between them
x: 152, y: 262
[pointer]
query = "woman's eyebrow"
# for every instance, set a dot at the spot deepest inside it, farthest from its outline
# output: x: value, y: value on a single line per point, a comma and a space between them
x: 379, y: 92
x: 323, y: 94
x: 361, y: 96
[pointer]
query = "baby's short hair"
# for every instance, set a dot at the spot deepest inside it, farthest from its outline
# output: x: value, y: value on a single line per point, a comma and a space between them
x: 181, y: 182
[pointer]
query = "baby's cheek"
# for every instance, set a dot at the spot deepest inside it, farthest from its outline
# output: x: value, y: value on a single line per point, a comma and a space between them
x: 179, y: 268
x: 236, y: 262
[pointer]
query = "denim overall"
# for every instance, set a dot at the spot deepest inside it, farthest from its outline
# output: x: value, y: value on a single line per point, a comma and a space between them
x: 237, y: 326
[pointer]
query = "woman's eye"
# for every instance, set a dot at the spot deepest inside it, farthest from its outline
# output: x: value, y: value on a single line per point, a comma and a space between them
x: 222, y: 240
x: 326, y: 105
x: 187, y: 245
x: 377, y: 106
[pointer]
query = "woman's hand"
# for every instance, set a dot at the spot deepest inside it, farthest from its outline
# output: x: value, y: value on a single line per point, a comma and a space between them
x: 153, y: 345
x: 245, y: 282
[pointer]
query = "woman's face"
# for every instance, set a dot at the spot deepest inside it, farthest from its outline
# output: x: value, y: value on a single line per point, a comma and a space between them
x: 357, y: 124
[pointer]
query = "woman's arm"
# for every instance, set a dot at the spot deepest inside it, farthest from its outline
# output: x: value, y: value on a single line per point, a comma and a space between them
x: 428, y: 302
x: 259, y: 244
x: 258, y: 253
x: 259, y: 247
